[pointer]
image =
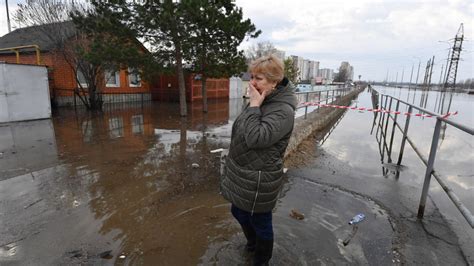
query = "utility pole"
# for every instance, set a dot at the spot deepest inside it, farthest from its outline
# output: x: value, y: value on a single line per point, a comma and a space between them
x: 447, y: 63
x: 8, y: 17
x: 427, y: 72
x: 403, y: 72
x: 396, y: 79
x: 431, y: 72
x: 452, y: 71
x: 418, y: 73
x: 441, y: 75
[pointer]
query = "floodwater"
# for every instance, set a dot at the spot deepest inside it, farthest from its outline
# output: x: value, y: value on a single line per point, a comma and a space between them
x: 84, y: 188
x: 358, y: 143
x: 137, y: 184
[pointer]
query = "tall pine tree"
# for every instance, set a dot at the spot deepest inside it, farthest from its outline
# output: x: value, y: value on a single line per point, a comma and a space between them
x: 217, y: 29
x: 204, y: 34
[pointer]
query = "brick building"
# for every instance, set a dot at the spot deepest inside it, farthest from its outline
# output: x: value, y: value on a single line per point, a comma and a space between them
x: 117, y: 86
x: 123, y: 85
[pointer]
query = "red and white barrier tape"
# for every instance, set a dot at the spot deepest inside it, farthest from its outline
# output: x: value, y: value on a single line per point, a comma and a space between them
x: 373, y: 110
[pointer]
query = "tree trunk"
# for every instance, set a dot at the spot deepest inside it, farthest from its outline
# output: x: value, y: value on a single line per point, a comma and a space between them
x: 94, y: 102
x: 182, y: 88
x: 183, y: 141
x: 204, y: 94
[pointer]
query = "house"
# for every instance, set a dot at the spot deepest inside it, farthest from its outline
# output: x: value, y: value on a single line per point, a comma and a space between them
x: 31, y: 45
x: 165, y: 88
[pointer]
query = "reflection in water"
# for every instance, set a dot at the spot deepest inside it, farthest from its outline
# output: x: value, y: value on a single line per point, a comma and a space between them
x: 449, y: 160
x: 147, y: 188
x: 144, y: 174
x: 327, y: 132
x: 26, y: 146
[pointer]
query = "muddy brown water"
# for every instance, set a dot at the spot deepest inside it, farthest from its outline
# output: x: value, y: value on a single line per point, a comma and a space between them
x: 119, y: 187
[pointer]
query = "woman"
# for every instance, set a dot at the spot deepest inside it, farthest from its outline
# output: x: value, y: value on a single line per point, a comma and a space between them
x: 254, y: 166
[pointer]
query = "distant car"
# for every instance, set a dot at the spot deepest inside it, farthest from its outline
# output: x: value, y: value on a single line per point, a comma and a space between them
x: 304, y: 88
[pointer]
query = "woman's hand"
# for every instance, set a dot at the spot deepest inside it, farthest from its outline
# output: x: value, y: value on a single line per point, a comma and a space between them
x: 256, y: 98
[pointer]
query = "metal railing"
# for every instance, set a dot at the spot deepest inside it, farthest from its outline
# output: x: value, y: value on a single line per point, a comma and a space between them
x: 387, y: 100
x: 68, y: 97
x: 323, y: 96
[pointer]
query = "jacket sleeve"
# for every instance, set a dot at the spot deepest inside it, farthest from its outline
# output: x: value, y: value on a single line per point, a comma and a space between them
x: 262, y: 131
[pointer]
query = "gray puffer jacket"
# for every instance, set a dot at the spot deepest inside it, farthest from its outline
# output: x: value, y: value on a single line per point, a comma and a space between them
x: 254, y: 167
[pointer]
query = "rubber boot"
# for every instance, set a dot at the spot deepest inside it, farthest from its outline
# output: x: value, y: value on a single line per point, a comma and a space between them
x: 251, y: 236
x: 263, y: 252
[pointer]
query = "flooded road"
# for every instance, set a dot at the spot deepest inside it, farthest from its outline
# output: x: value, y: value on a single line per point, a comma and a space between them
x: 121, y: 183
x: 350, y: 154
x: 137, y: 185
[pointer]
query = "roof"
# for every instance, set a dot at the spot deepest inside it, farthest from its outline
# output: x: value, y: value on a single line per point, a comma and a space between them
x: 37, y: 35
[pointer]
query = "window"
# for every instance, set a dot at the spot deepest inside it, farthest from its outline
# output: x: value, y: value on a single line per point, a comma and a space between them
x: 112, y: 78
x: 137, y: 124
x: 87, y: 131
x: 134, y: 78
x: 115, y: 127
x: 81, y: 78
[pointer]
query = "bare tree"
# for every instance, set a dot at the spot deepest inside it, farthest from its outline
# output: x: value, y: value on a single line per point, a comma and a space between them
x: 260, y: 49
x: 291, y: 70
x: 65, y: 42
x: 342, y: 75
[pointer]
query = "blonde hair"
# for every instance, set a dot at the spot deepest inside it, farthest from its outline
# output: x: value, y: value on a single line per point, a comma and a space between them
x: 270, y: 66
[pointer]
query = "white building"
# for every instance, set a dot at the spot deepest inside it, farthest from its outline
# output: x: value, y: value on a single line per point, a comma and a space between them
x: 313, y: 69
x: 326, y: 73
x: 298, y: 62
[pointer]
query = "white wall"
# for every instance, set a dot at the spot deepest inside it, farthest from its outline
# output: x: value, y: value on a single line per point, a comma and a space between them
x: 24, y: 93
x: 235, y: 88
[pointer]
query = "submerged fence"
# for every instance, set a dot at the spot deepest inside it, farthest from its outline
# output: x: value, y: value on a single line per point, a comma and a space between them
x: 384, y: 104
x: 63, y: 97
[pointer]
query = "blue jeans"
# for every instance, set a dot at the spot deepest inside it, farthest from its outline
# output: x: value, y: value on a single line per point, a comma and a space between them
x: 260, y: 222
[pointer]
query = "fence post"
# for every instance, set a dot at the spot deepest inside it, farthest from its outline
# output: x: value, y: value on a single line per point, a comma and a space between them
x: 327, y: 97
x: 429, y: 168
x: 388, y: 114
x: 319, y: 99
x: 382, y: 114
x: 386, y: 127
x: 405, y: 132
x: 306, y: 108
x: 393, y: 132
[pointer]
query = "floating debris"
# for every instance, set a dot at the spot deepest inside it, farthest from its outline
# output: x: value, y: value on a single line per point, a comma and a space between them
x: 357, y: 219
x: 296, y: 214
x: 106, y: 255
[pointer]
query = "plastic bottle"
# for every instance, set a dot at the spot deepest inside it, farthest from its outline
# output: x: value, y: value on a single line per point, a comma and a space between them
x: 357, y: 219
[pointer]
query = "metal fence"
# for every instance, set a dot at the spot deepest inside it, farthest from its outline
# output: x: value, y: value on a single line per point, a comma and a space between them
x: 386, y: 102
x: 309, y: 100
x: 62, y: 97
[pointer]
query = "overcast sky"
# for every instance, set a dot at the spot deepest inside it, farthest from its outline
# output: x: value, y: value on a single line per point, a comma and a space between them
x: 373, y: 35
